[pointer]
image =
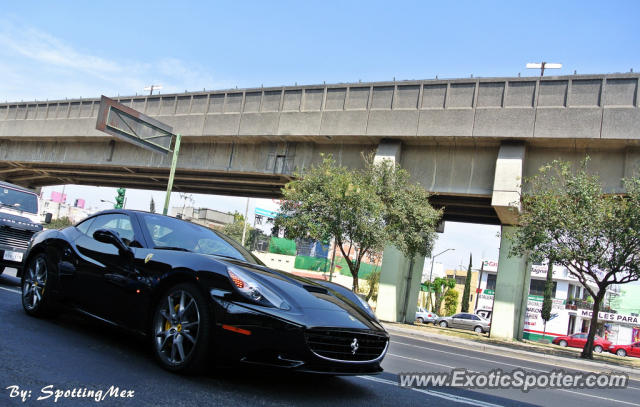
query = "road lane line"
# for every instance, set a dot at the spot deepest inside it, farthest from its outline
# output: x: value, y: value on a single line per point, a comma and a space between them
x: 508, y: 357
x: 433, y: 393
x: 599, y: 397
x: 422, y: 361
x: 9, y: 289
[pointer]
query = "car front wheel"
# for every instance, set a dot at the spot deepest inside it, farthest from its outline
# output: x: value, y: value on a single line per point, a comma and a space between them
x: 563, y: 343
x: 181, y: 329
x: 443, y: 324
x: 35, y: 284
x: 597, y: 349
x: 621, y: 352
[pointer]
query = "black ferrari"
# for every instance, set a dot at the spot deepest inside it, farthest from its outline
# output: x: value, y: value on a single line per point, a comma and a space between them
x: 199, y: 296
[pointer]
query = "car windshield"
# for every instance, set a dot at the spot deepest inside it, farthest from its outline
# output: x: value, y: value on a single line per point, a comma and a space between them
x: 174, y: 234
x: 20, y: 200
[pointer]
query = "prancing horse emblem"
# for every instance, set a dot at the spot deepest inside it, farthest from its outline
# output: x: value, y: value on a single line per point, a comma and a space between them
x: 354, y: 346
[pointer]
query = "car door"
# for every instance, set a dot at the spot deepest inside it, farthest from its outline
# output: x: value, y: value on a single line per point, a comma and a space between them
x: 635, y: 349
x: 578, y: 340
x: 457, y: 321
x: 106, y: 276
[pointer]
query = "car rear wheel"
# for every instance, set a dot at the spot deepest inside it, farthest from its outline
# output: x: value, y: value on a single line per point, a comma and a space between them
x: 35, y: 283
x: 181, y: 329
x: 478, y: 329
x: 444, y: 324
x: 597, y: 349
x: 420, y: 320
x: 621, y: 352
x: 563, y: 343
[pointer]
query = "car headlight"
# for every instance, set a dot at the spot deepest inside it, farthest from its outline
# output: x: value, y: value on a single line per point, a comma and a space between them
x: 255, y: 291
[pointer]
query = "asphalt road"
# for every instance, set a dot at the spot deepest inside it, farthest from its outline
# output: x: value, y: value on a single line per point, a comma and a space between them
x: 72, y: 351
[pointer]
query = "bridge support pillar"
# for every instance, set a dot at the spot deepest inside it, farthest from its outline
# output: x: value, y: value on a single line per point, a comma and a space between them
x: 512, y: 291
x: 399, y: 286
x: 512, y: 281
x: 399, y: 280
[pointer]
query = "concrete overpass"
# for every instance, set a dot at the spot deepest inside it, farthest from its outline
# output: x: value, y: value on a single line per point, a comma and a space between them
x: 470, y: 141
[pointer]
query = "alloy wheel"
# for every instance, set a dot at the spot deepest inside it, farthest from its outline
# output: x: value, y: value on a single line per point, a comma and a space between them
x: 176, y: 327
x: 34, y: 283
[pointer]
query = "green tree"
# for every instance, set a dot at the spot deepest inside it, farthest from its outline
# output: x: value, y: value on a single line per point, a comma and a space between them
x: 467, y: 288
x: 451, y: 302
x: 547, y: 302
x: 374, y: 281
x: 234, y: 230
x: 363, y: 210
x: 152, y: 206
x: 567, y: 217
x: 439, y: 287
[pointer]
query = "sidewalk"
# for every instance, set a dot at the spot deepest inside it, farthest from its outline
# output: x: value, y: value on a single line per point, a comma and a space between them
x: 530, y: 351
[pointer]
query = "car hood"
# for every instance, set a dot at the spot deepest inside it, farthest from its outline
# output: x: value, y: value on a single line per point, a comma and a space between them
x: 312, y: 303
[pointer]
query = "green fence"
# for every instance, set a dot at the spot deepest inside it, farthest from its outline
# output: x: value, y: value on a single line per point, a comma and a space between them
x: 282, y: 246
x: 312, y: 263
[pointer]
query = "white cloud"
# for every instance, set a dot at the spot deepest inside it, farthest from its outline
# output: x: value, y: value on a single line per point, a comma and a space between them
x: 37, y: 65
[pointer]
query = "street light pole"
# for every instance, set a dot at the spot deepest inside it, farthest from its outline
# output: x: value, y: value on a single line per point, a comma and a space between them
x: 431, y: 275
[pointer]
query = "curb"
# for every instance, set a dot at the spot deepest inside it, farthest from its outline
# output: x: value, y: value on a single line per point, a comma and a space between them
x: 550, y: 359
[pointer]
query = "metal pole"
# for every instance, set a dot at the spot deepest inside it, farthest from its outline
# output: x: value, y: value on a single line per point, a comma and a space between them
x: 174, y: 162
x: 429, y: 292
x: 244, y: 228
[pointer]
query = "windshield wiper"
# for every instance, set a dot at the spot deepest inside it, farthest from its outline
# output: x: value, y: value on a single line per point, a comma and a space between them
x: 182, y: 249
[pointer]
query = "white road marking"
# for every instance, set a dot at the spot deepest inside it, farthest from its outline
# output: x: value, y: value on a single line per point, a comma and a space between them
x: 439, y: 394
x: 492, y: 361
x: 599, y: 397
x: 9, y: 289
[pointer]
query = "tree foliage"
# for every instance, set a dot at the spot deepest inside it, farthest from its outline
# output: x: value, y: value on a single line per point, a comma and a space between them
x: 467, y: 288
x: 567, y: 217
x: 451, y: 302
x: 439, y: 286
x: 152, y: 206
x: 547, y: 301
x: 363, y: 210
x: 234, y: 230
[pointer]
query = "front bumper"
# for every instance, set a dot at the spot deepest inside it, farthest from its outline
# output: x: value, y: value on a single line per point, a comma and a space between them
x: 266, y: 340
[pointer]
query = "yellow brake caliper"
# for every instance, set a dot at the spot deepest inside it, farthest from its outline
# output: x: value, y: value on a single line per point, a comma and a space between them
x: 167, y: 323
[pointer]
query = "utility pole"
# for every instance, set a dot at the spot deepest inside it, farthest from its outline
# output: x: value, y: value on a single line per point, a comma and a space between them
x: 244, y: 227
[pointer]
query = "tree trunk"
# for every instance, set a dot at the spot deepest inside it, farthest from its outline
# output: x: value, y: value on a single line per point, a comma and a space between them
x: 355, y: 282
x: 587, y: 351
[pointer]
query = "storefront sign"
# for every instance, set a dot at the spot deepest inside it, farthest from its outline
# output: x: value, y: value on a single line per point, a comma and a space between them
x: 608, y: 316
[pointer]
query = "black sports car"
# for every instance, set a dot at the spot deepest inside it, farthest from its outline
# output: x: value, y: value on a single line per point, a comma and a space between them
x: 199, y: 296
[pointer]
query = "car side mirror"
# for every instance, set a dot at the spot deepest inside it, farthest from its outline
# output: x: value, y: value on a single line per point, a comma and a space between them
x: 47, y: 217
x: 110, y: 237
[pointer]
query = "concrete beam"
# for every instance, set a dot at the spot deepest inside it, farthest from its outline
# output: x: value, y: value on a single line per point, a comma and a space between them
x: 507, y: 183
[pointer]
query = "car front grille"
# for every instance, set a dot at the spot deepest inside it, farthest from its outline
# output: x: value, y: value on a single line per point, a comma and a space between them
x: 15, y: 237
x: 347, y: 346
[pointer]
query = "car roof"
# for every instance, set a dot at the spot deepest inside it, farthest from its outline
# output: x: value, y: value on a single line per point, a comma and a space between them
x: 18, y: 187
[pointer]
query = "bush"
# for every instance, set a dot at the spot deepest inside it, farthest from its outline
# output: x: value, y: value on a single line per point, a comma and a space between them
x: 451, y: 302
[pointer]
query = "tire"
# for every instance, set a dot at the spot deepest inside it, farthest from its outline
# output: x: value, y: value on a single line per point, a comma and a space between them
x: 597, y: 349
x: 621, y: 352
x: 478, y: 330
x: 420, y: 320
x: 180, y: 338
x: 35, y: 284
x: 563, y: 343
x: 443, y: 324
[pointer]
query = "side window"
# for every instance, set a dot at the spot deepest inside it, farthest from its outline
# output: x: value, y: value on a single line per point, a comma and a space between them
x: 457, y: 316
x: 83, y: 226
x: 117, y: 222
x: 475, y: 317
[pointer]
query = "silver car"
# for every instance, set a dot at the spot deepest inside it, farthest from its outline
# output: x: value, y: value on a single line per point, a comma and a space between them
x: 425, y: 317
x: 464, y: 320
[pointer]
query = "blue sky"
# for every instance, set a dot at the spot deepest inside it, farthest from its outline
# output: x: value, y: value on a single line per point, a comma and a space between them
x: 51, y: 50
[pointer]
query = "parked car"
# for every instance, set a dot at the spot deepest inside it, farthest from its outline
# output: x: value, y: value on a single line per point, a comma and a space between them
x: 425, y: 317
x: 580, y: 339
x: 626, y: 350
x: 465, y: 320
x: 197, y: 293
